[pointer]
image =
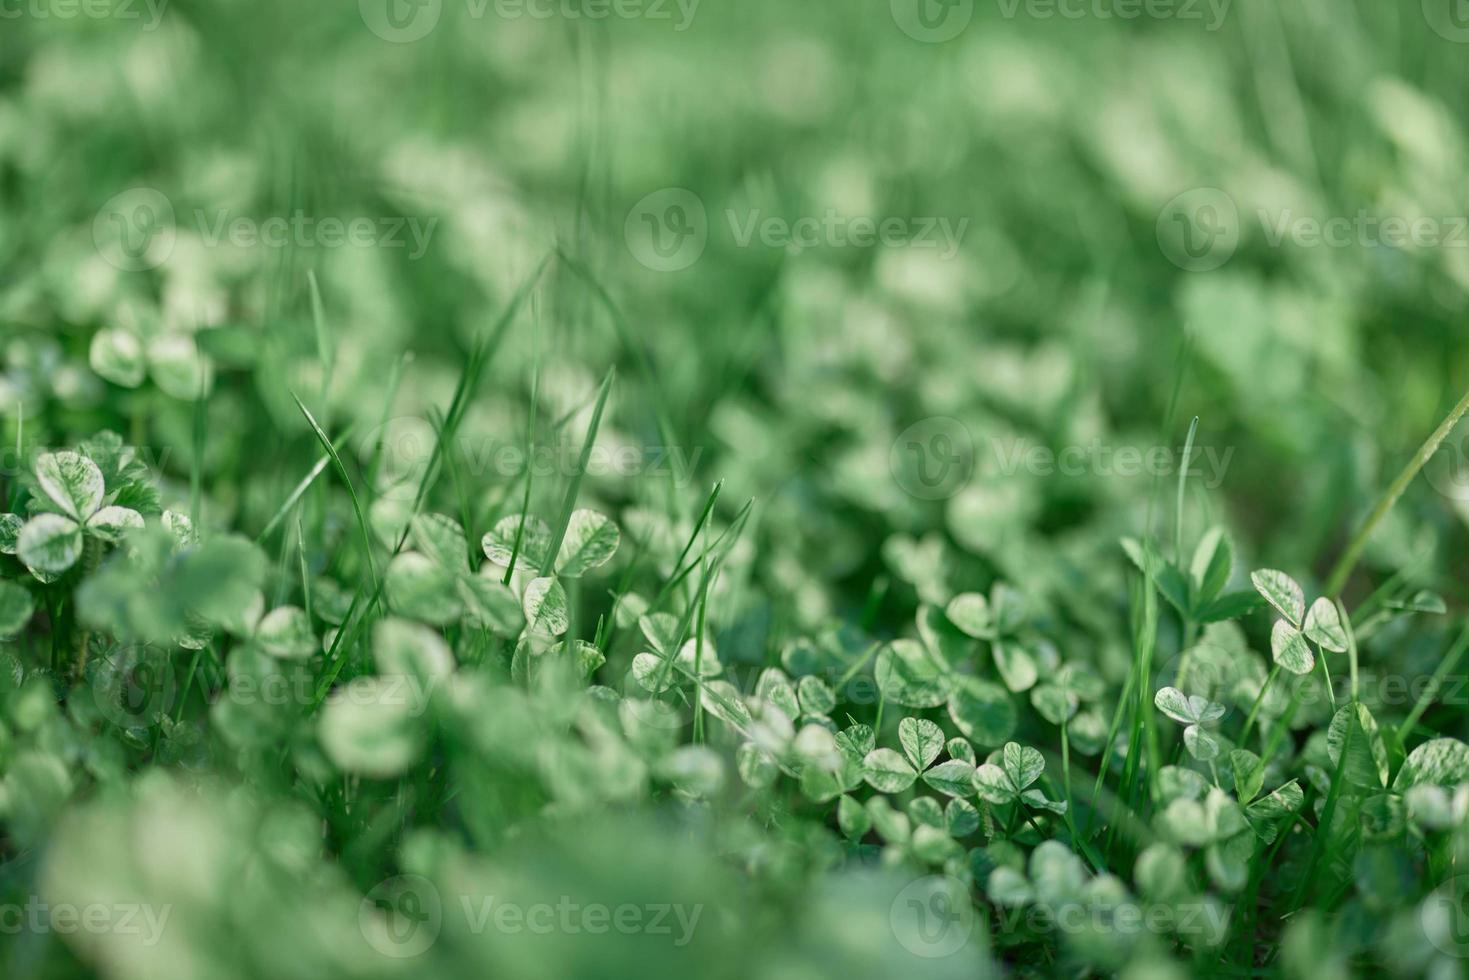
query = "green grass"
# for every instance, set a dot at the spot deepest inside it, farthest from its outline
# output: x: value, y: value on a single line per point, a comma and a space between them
x: 597, y: 591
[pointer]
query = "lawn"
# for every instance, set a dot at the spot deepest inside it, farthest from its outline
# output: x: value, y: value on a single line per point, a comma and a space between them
x: 586, y: 488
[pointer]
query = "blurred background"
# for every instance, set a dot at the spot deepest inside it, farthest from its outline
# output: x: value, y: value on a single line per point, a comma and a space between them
x: 829, y: 249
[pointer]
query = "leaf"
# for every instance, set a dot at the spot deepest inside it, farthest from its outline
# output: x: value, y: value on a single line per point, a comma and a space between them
x: 50, y: 543
x: 419, y: 588
x: 815, y: 697
x: 1036, y: 800
x: 286, y: 633
x: 1324, y: 626
x: 545, y: 608
x: 722, y: 700
x: 982, y: 710
x: 1230, y: 606
x: 499, y: 542
x: 1228, y: 862
x: 887, y: 771
x: 110, y: 523
x: 1289, y: 648
x: 220, y: 578
x: 16, y: 607
x: 177, y: 367
x: 1161, y: 873
x: 1367, y: 764
x: 489, y: 603
x: 403, y: 648
x: 10, y: 525
x: 958, y: 748
x: 970, y: 611
x: 367, y: 728
x: 1175, y: 704
x: 1200, y: 743
x: 662, y: 632
x: 591, y: 540
x: 1282, y: 592
x: 1023, y: 764
x: 922, y: 741
x: 1249, y: 774
x: 907, y: 674
x: 994, y: 786
x: 72, y: 481
x: 1017, y: 668
x: 117, y: 356
x: 649, y: 670
x: 952, y: 778
x: 1054, y: 703
x: 1440, y: 762
x: 1212, y: 564
x: 852, y: 818
x: 960, y: 816
x: 442, y: 540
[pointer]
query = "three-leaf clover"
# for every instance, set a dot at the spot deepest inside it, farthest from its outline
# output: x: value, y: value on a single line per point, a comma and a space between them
x: 999, y: 620
x: 1321, y: 624
x: 432, y: 582
x: 922, y: 741
x: 1010, y: 781
x: 1195, y: 712
x: 51, y: 541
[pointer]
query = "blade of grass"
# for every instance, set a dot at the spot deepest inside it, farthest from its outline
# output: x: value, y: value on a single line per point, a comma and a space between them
x: 346, y: 481
x: 568, y: 503
x: 1353, y: 553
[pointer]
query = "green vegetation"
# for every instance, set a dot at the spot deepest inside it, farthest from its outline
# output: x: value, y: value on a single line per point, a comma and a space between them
x: 510, y: 488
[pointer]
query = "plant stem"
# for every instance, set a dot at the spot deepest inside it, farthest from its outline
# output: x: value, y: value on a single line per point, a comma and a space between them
x: 1349, y: 558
